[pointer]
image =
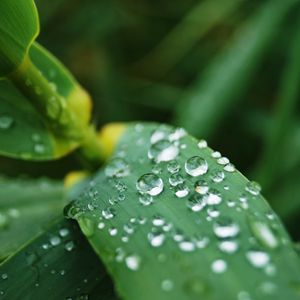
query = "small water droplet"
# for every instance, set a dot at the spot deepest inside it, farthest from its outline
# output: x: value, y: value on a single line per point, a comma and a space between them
x: 181, y: 190
x: 175, y: 179
x: 228, y: 246
x: 69, y: 246
x: 196, y: 166
x: 108, y: 213
x: 202, y: 144
x: 217, y: 176
x: 196, y: 202
x: 113, y: 231
x: 213, y: 212
x: 223, y: 160
x: 173, y: 166
x: 6, y: 122
x: 117, y: 167
x: 225, y: 228
x: 216, y: 154
x: 158, y: 220
x: 219, y: 266
x: 253, y: 188
x: 163, y: 150
x: 156, y: 238
x: 133, y: 262
x: 213, y: 197
x: 55, y: 240
x: 258, y: 258
x: 229, y: 168
x: 145, y: 199
x: 201, y: 187
x: 63, y: 232
x: 167, y: 285
x: 186, y: 245
x: 177, y: 134
x: 4, y: 276
x: 150, y: 184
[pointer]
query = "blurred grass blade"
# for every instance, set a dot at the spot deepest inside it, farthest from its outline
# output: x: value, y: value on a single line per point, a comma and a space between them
x: 26, y: 207
x: 19, y: 26
x: 284, y: 112
x: 219, y: 88
x: 177, y: 43
x: 58, y: 264
x: 171, y: 219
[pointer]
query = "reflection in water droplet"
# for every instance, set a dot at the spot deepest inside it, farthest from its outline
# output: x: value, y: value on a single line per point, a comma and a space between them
x: 117, y: 167
x: 226, y: 228
x: 133, y: 262
x: 163, y: 150
x: 181, y: 190
x: 258, y: 258
x: 6, y: 122
x: 201, y: 187
x: 150, y: 184
x: 219, y: 266
x: 196, y: 166
x: 253, y: 188
x: 196, y: 202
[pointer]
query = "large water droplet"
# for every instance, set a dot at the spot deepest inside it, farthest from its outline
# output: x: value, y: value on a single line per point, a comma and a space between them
x: 226, y: 228
x: 163, y: 150
x: 117, y: 167
x: 196, y: 166
x: 150, y: 184
x: 258, y: 258
x: 6, y: 122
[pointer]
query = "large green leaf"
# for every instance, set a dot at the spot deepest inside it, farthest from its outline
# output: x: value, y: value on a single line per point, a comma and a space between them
x: 221, y: 85
x: 216, y: 238
x: 19, y: 26
x: 26, y: 207
x: 59, y: 264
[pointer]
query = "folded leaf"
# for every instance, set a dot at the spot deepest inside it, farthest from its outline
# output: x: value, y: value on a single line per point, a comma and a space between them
x: 19, y: 26
x: 171, y: 219
x: 59, y: 264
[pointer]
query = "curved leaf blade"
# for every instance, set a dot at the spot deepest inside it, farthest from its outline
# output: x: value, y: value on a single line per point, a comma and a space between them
x: 19, y: 26
x: 166, y: 250
x: 66, y: 269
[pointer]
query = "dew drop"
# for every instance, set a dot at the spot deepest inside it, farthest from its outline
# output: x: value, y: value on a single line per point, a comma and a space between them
x: 219, y: 266
x: 158, y: 220
x: 213, y: 197
x: 163, y: 150
x: 186, y: 245
x: 175, y: 179
x: 226, y: 228
x: 201, y: 187
x: 253, y: 188
x: 113, y: 231
x: 228, y: 246
x: 173, y: 166
x: 108, y: 213
x: 117, y: 167
x: 223, y: 160
x: 150, y: 184
x: 217, y: 176
x: 216, y: 154
x: 145, y: 199
x: 63, y: 232
x: 167, y: 285
x: 196, y: 202
x: 258, y: 258
x: 202, y: 144
x: 69, y: 246
x: 181, y: 190
x: 156, y: 239
x: 6, y: 122
x: 55, y: 240
x: 133, y: 262
x: 229, y: 168
x: 196, y: 166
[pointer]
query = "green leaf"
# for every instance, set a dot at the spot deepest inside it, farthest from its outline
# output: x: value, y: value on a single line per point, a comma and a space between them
x: 19, y: 26
x: 26, y: 207
x: 213, y: 239
x: 59, y: 264
x: 220, y: 86
x: 23, y: 133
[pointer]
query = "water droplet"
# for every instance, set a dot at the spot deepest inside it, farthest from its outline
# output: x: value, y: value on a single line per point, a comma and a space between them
x: 39, y: 148
x: 229, y: 168
x: 201, y: 187
x: 161, y: 133
x: 163, y: 150
x: 108, y: 213
x: 253, y: 188
x: 63, y: 232
x: 202, y: 144
x: 223, y: 160
x: 186, y: 245
x: 226, y: 228
x: 258, y: 258
x: 213, y: 212
x: 145, y: 199
x: 228, y: 246
x: 177, y: 134
x: 150, y: 184
x: 201, y: 241
x: 156, y: 238
x: 4, y: 276
x: 101, y: 225
x: 6, y: 122
x: 117, y: 167
x: 55, y: 240
x: 196, y: 166
x: 69, y: 246
x: 53, y: 108
x: 213, y: 197
x: 263, y: 233
x: 133, y: 262
x: 113, y: 231
x: 71, y: 211
x: 173, y: 166
x: 167, y: 285
x: 158, y: 220
x: 181, y: 190
x: 175, y: 179
x: 216, y: 154
x: 219, y: 266
x: 196, y: 202
x: 217, y: 176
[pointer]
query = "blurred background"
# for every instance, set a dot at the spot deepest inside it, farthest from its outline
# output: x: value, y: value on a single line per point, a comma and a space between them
x: 226, y: 70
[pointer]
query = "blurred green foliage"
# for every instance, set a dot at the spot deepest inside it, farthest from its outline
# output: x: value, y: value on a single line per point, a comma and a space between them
x: 139, y: 60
